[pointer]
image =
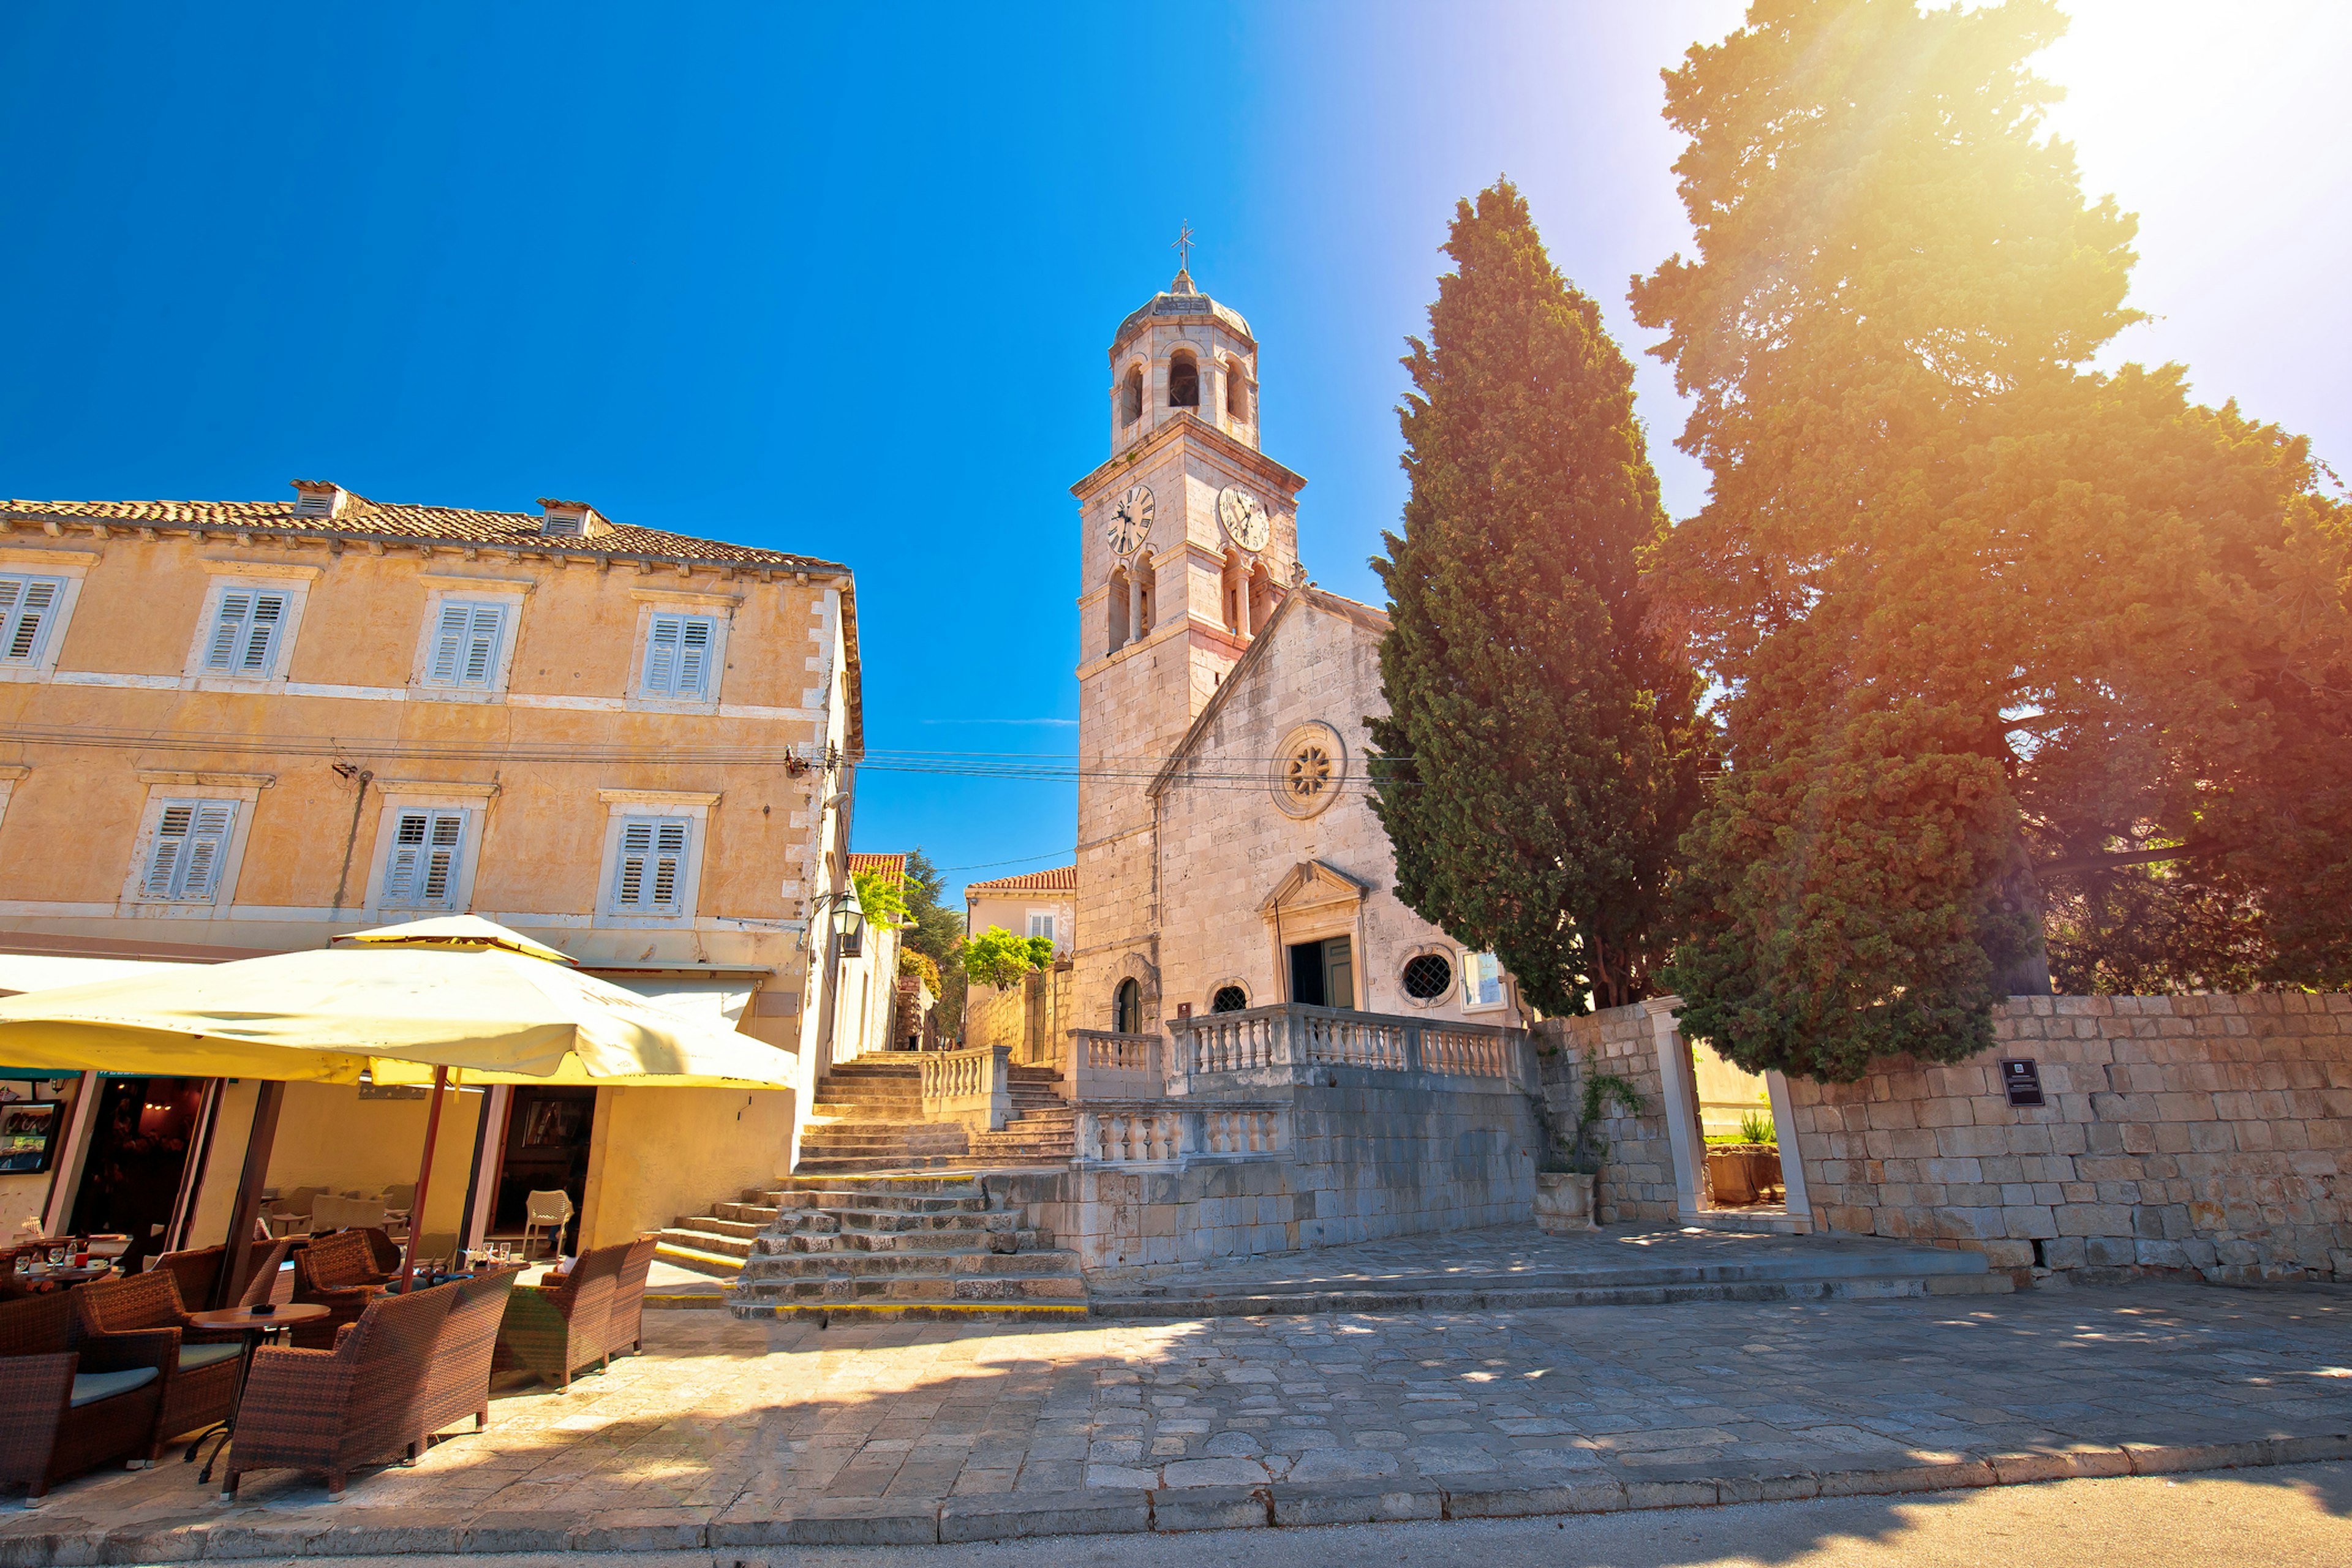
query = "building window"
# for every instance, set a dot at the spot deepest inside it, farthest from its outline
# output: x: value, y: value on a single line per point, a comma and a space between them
x: 465, y: 646
x: 1428, y: 977
x: 1323, y: 974
x: 1236, y: 390
x: 421, y: 869
x: 243, y: 639
x: 26, y: 607
x: 1229, y: 999
x: 1309, y: 769
x: 1130, y: 397
x: 1041, y: 923
x: 1127, y: 1008
x: 677, y: 656
x: 1115, y: 608
x: 1481, y: 979
x: 1183, y: 381
x: 650, y: 879
x: 190, y: 840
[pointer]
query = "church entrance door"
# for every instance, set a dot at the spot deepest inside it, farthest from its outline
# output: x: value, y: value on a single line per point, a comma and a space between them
x: 1323, y: 974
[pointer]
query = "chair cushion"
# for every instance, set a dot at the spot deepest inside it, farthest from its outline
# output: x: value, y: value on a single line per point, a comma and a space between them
x: 90, y: 1387
x: 195, y: 1356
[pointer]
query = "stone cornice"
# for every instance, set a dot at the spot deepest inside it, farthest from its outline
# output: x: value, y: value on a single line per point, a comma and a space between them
x: 1174, y: 432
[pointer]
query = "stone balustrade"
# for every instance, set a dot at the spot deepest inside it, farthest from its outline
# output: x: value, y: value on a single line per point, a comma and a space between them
x: 1165, y: 1133
x: 1107, y: 1066
x: 1289, y: 1043
x: 973, y: 1087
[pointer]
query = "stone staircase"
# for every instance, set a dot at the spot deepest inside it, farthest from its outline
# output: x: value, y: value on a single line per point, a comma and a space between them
x: 868, y: 1117
x: 716, y: 1244
x: 865, y: 1247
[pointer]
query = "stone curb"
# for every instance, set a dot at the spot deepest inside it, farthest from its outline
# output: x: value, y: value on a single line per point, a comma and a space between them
x: 248, y: 1533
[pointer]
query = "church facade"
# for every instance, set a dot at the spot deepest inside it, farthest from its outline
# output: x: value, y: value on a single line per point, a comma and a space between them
x: 1228, y: 857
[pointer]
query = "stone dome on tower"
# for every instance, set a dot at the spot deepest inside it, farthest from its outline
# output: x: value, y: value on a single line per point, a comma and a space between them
x: 1178, y: 301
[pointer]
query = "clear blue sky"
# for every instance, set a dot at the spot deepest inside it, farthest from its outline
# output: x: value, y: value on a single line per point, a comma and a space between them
x: 842, y: 285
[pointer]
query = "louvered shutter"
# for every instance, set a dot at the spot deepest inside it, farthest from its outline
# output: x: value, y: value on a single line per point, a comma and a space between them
x: 245, y: 633
x: 677, y: 656
x: 661, y: 655
x: 191, y: 838
x: 229, y: 631
x: 465, y: 645
x: 26, y: 603
x: 694, y: 657
x: 651, y: 877
x: 422, y: 864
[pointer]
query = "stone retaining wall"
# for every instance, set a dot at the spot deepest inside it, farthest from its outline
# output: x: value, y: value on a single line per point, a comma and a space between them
x: 1637, y: 1178
x: 2211, y: 1133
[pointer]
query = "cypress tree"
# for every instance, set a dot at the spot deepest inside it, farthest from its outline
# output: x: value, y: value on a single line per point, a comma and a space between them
x: 1541, y: 752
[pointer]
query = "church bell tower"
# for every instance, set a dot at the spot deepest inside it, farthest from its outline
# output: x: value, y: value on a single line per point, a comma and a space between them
x: 1188, y: 541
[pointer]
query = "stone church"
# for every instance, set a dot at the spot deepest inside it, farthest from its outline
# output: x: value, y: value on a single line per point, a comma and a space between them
x: 1228, y: 857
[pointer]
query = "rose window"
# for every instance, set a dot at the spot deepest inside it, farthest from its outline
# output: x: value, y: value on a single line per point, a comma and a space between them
x: 1310, y: 774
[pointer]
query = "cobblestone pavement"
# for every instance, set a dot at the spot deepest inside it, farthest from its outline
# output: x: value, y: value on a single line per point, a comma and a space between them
x: 726, y: 1427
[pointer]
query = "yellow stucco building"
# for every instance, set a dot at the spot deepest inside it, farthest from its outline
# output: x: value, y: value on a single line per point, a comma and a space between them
x: 241, y: 727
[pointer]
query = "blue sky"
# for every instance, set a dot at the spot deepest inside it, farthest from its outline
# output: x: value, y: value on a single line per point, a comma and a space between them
x: 842, y: 284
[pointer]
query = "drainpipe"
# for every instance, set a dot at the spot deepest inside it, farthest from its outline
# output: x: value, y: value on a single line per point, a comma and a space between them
x: 350, y: 839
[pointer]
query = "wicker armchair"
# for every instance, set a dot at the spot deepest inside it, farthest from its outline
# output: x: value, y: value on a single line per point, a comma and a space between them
x: 64, y: 1416
x: 196, y: 1272
x: 624, y: 1322
x: 385, y: 1251
x: 554, y: 1330
x: 337, y: 1272
x: 457, y: 1384
x: 329, y: 1412
x: 139, y: 1317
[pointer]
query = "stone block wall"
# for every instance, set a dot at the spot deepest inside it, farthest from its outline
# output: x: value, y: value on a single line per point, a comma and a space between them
x: 1637, y: 1178
x: 1374, y: 1155
x: 2211, y: 1133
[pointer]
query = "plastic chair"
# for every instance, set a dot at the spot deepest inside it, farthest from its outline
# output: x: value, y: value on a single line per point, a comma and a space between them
x: 549, y: 1212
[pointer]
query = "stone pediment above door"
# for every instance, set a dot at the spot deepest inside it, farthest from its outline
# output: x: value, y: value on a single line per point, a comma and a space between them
x: 1314, y: 884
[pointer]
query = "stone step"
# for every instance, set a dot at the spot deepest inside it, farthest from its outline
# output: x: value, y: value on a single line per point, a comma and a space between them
x: 912, y: 1185
x: 717, y: 1226
x: 685, y: 1254
x: 842, y: 1194
x: 915, y: 1287
x: 749, y: 1212
x: 875, y: 1165
x: 773, y: 1266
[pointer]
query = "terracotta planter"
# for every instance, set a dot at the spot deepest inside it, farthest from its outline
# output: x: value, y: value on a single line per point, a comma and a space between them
x: 1563, y: 1201
x: 1731, y: 1177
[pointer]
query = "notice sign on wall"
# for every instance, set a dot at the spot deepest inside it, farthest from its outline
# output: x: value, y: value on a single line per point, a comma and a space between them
x: 2022, y: 1076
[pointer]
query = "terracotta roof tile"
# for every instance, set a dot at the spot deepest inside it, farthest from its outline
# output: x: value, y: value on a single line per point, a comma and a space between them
x: 362, y: 518
x: 1060, y: 880
x: 892, y: 868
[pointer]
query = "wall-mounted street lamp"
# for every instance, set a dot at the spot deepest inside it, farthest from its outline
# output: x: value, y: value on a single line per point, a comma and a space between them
x: 849, y: 925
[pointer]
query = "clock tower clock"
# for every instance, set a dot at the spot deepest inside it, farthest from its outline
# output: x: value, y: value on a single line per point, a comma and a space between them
x: 1189, y: 539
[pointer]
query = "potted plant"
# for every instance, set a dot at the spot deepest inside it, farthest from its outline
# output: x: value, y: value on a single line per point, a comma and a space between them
x: 1739, y: 1171
x: 1565, y: 1180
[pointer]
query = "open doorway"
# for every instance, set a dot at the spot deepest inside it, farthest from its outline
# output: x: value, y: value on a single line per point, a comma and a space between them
x: 1323, y: 974
x: 547, y: 1137
x: 138, y: 1160
x: 1737, y: 1165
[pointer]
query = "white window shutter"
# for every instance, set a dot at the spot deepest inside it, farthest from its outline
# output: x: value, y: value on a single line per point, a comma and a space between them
x: 422, y: 868
x: 669, y: 865
x: 637, y: 847
x: 229, y: 631
x: 191, y: 841
x: 651, y: 877
x: 694, y: 658
x: 482, y: 638
x: 26, y: 603
x: 441, y: 855
x: 661, y: 655
x: 259, y: 656
x: 449, y: 640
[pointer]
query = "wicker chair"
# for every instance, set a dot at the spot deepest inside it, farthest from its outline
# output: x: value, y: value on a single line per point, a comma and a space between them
x: 197, y: 1273
x: 556, y: 1329
x: 458, y: 1384
x: 70, y: 1410
x: 385, y: 1251
x: 329, y: 1412
x: 624, y: 1322
x: 339, y: 1273
x: 111, y: 1318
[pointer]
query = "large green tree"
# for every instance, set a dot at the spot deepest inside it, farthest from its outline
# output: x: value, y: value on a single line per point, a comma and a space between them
x: 2026, y: 668
x: 935, y: 930
x: 1541, y: 752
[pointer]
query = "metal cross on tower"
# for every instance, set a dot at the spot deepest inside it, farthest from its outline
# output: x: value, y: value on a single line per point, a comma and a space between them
x: 1182, y: 245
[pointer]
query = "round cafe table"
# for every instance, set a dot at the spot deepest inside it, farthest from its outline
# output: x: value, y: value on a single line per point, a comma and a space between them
x: 256, y: 1327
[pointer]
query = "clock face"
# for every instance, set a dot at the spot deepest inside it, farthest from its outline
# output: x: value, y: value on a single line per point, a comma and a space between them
x: 1131, y: 521
x: 1245, y: 517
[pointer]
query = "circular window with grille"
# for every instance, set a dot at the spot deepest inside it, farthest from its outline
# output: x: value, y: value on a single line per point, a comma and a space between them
x: 1309, y: 769
x: 1229, y: 999
x: 1428, y: 977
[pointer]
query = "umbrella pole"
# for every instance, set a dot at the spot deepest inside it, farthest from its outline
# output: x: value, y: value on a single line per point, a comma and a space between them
x: 423, y: 1181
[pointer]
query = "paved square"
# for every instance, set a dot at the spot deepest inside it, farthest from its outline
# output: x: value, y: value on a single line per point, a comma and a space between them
x: 726, y: 1427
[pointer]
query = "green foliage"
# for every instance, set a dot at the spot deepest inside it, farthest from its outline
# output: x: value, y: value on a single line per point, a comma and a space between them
x: 2024, y: 668
x: 935, y: 930
x: 996, y: 957
x: 879, y: 897
x: 1756, y: 1127
x: 1586, y: 1147
x: 920, y: 963
x: 1540, y: 754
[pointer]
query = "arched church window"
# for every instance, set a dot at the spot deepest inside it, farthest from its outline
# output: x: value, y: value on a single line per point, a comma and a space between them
x: 1127, y: 1008
x: 1146, y: 579
x: 1130, y: 397
x: 1183, y: 381
x: 1229, y: 999
x: 1261, y: 595
x: 1234, y: 580
x: 1427, y: 976
x: 1236, y: 390
x: 1115, y: 606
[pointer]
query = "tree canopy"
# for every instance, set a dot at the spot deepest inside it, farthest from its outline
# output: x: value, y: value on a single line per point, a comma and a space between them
x: 1540, y: 754
x: 996, y: 957
x: 2020, y: 663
